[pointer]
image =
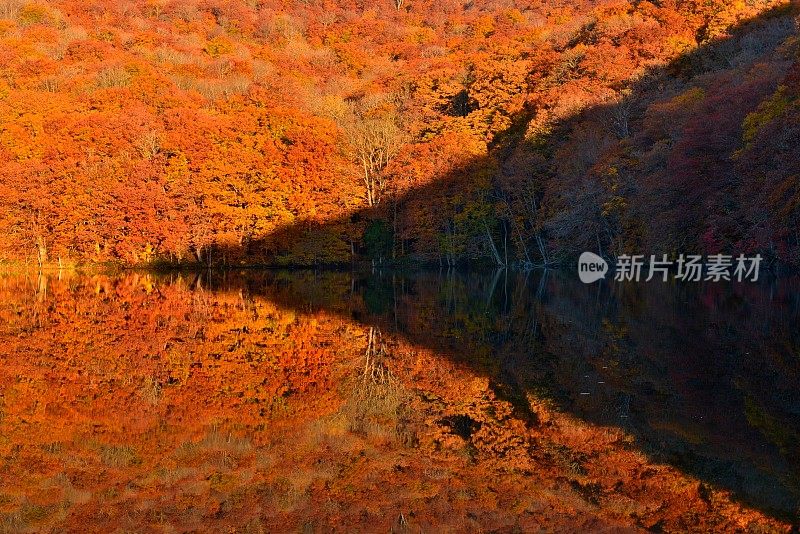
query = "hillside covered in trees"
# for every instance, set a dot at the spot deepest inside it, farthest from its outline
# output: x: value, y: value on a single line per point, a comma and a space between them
x: 309, y: 132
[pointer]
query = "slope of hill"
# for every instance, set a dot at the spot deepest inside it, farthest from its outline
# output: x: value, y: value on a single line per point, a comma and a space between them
x: 322, y: 132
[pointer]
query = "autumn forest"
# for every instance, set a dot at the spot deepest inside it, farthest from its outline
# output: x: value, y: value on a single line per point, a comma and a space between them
x: 308, y: 133
x: 309, y: 266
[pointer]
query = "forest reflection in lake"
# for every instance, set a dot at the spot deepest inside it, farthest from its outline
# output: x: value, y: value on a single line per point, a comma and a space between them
x: 264, y: 401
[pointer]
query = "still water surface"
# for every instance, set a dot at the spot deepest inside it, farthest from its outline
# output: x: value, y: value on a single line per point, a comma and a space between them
x: 307, y: 401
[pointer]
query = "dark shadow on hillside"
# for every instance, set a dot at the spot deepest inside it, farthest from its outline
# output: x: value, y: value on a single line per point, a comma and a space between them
x: 558, y: 185
x: 705, y: 377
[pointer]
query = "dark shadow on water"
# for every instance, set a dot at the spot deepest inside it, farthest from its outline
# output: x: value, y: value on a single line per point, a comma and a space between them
x: 705, y: 376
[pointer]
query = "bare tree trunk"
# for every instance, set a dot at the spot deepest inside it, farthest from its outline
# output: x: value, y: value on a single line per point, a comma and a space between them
x: 542, y: 249
x: 394, y: 229
x: 370, y: 348
x: 368, y: 182
x: 492, y: 287
x: 492, y: 246
x: 534, y: 209
x: 41, y: 251
x: 505, y: 244
x: 521, y: 239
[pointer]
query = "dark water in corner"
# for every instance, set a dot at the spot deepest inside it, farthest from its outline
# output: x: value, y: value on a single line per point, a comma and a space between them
x: 706, y: 376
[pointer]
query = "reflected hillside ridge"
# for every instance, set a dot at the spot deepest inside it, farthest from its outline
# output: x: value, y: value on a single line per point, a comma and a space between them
x: 703, y: 375
x: 274, y: 399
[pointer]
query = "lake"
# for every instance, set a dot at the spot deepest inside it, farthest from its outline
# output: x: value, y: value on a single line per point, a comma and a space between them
x: 439, y: 401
